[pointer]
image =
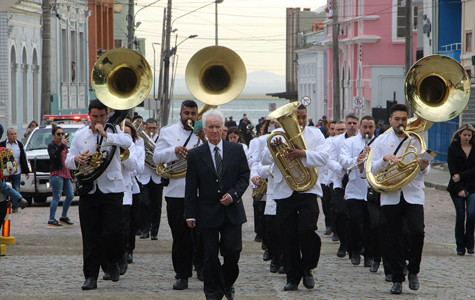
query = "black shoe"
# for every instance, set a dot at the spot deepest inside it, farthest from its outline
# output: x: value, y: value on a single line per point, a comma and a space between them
x: 374, y: 266
x: 355, y: 258
x: 154, y: 237
x: 106, y: 276
x: 308, y: 280
x: 181, y: 284
x: 396, y: 288
x: 389, y: 278
x: 470, y: 251
x: 66, y: 221
x: 54, y: 224
x: 130, y: 258
x: 123, y: 265
x: 145, y: 235
x: 413, y: 282
x: 23, y: 203
x: 266, y: 256
x: 89, y: 284
x: 229, y: 292
x: 281, y: 270
x: 367, y: 262
x: 138, y: 232
x: 291, y: 287
x: 199, y: 274
x: 461, y: 253
x: 335, y: 237
x: 341, y: 252
x: 274, y: 266
x: 114, y: 271
x: 328, y: 231
x: 258, y: 239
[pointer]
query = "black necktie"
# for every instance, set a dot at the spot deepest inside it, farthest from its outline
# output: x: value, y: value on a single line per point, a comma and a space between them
x: 219, y: 164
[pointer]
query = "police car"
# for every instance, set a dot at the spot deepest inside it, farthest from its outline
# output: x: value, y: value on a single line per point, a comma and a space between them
x: 37, y: 187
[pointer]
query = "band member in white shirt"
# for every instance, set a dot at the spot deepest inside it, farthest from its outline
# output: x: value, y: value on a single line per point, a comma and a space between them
x: 354, y: 151
x: 297, y: 212
x: 325, y: 181
x: 173, y: 144
x: 100, y: 210
x: 404, y: 205
x: 152, y: 190
x: 340, y: 212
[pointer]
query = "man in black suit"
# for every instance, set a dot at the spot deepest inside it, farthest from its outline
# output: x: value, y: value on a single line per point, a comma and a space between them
x: 216, y: 178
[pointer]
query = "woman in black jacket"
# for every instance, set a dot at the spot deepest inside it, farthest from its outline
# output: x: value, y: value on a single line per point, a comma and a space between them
x: 461, y: 161
x: 59, y: 178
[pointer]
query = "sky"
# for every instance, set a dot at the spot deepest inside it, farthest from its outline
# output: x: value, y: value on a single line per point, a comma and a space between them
x: 254, y: 29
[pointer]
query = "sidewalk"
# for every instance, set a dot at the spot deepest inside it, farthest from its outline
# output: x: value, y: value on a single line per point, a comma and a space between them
x: 438, y: 177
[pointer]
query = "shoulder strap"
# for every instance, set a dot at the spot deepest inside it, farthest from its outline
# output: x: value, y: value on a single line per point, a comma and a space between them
x: 400, y: 144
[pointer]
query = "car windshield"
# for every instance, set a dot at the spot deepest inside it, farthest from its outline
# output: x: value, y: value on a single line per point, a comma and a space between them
x: 40, y: 138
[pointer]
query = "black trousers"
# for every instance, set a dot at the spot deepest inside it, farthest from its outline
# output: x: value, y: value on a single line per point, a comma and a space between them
x: 379, y: 234
x: 340, y: 217
x: 151, y: 207
x: 297, y: 217
x: 273, y: 239
x: 359, y: 225
x: 395, y: 216
x: 126, y: 225
x: 326, y: 203
x: 134, y: 222
x: 226, y: 239
x: 182, y: 247
x: 259, y: 207
x: 100, y: 216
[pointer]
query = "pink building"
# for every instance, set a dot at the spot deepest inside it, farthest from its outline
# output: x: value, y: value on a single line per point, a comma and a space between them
x: 372, y: 49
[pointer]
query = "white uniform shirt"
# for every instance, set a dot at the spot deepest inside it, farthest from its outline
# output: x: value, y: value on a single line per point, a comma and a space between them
x: 271, y: 206
x: 171, y: 137
x: 387, y: 143
x: 111, y: 180
x: 325, y: 174
x: 333, y: 162
x: 255, y: 149
x: 357, y: 186
x: 129, y: 166
x: 147, y: 173
x: 317, y: 156
x: 140, y: 153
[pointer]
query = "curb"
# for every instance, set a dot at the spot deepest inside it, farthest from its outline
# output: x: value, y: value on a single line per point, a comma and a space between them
x: 436, y: 186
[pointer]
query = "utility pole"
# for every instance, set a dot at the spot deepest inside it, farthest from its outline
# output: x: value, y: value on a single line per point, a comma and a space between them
x: 46, y: 60
x: 337, y: 114
x: 409, y: 21
x: 160, y: 77
x: 165, y: 104
x: 130, y: 26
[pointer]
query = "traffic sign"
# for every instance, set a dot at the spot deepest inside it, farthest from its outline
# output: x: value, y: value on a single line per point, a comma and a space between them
x: 306, y: 100
x: 358, y: 102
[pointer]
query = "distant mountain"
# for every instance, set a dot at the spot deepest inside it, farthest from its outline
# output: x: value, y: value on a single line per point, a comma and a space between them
x: 260, y: 82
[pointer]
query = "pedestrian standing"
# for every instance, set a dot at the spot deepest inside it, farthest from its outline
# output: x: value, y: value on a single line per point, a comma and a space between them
x: 461, y: 161
x: 59, y: 178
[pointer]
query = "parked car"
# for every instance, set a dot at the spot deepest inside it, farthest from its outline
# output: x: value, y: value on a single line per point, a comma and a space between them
x: 37, y: 188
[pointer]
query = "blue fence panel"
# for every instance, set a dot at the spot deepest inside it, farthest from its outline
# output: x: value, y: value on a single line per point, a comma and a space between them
x: 439, y: 137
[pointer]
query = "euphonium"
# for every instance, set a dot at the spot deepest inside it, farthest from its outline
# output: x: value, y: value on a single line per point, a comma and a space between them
x: 149, y: 145
x: 437, y: 89
x: 298, y: 177
x: 260, y: 190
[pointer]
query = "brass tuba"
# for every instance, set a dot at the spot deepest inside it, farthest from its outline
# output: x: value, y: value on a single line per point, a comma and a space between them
x: 214, y: 75
x: 437, y: 89
x: 298, y: 177
x: 121, y: 79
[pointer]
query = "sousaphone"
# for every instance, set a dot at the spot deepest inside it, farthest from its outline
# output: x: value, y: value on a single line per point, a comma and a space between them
x: 437, y: 89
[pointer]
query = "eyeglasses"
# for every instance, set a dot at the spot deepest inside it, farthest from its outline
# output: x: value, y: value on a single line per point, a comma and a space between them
x: 59, y: 133
x: 340, y: 129
x: 151, y: 128
x: 352, y: 123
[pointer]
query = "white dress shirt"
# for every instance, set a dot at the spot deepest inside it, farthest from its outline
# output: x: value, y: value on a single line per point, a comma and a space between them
x: 387, y: 143
x: 265, y: 172
x: 334, y: 160
x: 357, y: 186
x: 128, y: 167
x: 147, y: 173
x: 220, y: 147
x: 111, y: 180
x: 140, y: 152
x: 325, y: 174
x: 171, y: 137
x: 316, y: 156
x: 255, y: 149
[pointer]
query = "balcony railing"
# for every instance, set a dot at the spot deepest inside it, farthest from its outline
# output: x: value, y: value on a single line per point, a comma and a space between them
x: 451, y: 50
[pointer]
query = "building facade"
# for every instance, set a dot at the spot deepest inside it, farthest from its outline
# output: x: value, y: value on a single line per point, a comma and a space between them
x: 20, y: 60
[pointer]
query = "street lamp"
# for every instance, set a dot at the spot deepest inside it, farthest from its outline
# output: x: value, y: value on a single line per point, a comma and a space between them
x: 174, y: 49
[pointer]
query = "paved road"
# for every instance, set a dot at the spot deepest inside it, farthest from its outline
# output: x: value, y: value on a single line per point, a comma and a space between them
x: 47, y: 264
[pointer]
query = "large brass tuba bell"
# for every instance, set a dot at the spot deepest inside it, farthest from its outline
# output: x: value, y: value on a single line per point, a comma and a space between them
x: 437, y: 89
x: 298, y: 177
x: 214, y: 75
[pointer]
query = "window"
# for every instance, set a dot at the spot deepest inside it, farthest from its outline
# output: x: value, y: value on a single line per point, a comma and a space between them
x: 118, y: 43
x: 468, y: 42
x: 401, y: 18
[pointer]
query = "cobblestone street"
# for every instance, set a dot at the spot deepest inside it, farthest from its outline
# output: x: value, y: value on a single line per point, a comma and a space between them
x: 47, y: 264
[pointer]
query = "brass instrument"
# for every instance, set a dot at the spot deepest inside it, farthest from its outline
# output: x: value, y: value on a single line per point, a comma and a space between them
x: 437, y: 89
x: 260, y: 190
x: 298, y: 177
x: 121, y: 79
x: 149, y: 145
x: 214, y: 75
x: 366, y: 140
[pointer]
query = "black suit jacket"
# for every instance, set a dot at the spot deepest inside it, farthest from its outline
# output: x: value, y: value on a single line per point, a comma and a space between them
x: 460, y: 164
x: 202, y: 192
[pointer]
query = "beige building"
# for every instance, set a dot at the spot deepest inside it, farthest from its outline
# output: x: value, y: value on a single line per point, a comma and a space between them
x: 467, y: 55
